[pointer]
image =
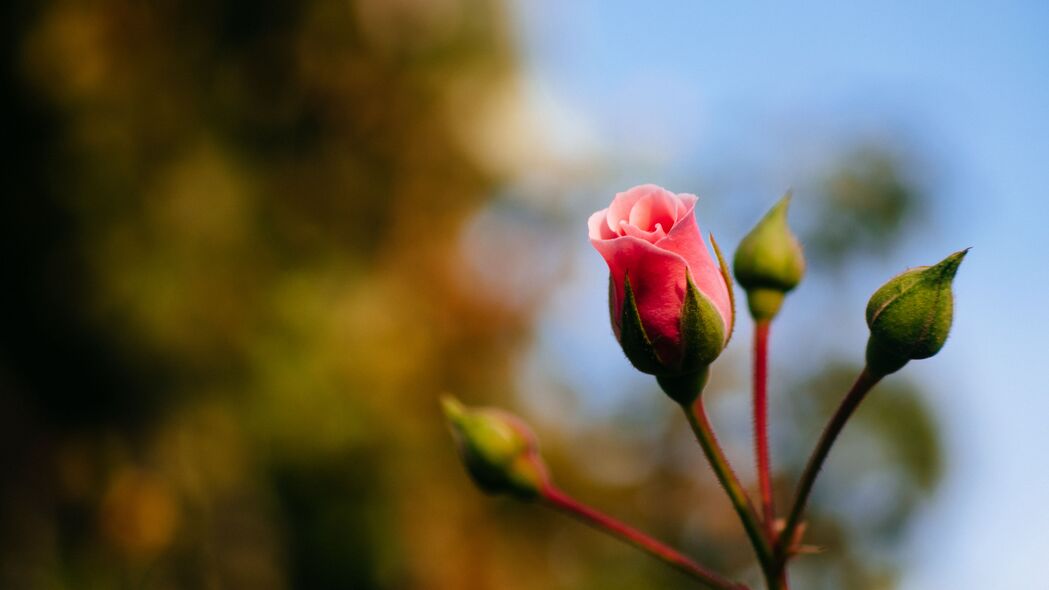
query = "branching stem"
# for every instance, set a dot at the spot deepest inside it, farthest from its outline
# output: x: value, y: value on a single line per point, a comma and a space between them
x: 864, y: 382
x: 561, y: 501
x: 697, y: 418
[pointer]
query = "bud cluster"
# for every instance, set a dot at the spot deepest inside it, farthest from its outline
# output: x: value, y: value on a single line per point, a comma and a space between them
x: 673, y: 313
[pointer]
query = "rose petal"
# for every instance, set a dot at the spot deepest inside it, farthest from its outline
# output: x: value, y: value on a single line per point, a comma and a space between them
x: 686, y: 240
x: 598, y: 226
x: 658, y: 207
x: 649, y: 236
x: 620, y: 208
x: 686, y: 202
x: 657, y: 279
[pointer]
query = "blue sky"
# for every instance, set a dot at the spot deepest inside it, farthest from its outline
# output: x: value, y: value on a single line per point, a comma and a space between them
x: 769, y: 88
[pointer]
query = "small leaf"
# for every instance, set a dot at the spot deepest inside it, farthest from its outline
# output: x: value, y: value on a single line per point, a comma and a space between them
x: 702, y: 330
x: 636, y: 345
x: 727, y: 275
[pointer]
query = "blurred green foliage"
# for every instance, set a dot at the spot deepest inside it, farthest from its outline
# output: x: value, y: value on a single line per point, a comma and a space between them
x: 876, y: 479
x: 236, y: 289
x: 868, y: 201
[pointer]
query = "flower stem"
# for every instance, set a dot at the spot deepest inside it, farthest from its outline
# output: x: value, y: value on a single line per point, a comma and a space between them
x: 559, y: 500
x: 761, y: 425
x: 864, y: 382
x: 697, y: 418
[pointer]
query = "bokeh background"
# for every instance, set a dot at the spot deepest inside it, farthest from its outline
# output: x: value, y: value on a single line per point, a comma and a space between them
x: 246, y: 246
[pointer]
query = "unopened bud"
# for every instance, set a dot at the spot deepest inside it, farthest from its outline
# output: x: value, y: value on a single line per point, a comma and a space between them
x: 769, y: 262
x: 498, y: 449
x: 910, y: 316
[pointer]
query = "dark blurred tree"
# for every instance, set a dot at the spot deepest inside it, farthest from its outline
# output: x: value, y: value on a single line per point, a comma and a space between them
x: 231, y: 232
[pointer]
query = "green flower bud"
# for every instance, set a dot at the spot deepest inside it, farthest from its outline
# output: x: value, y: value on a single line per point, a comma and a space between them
x: 769, y: 262
x: 910, y: 316
x: 498, y: 449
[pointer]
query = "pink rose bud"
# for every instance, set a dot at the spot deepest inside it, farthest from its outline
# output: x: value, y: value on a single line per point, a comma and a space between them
x: 671, y: 304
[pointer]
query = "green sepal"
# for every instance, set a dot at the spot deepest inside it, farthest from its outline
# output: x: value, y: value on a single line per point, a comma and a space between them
x: 702, y: 330
x: 910, y: 316
x: 702, y: 340
x: 727, y: 275
x: 636, y: 345
x: 891, y: 291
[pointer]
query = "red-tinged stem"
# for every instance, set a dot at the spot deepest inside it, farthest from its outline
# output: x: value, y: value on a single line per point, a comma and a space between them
x: 864, y: 382
x: 559, y: 500
x: 761, y: 426
x: 697, y: 419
